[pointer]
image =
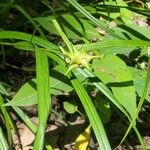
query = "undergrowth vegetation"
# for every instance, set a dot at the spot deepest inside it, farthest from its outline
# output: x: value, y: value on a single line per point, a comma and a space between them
x: 78, y: 48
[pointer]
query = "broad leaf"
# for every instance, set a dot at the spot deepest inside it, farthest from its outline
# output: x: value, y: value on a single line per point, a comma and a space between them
x: 114, y: 72
x: 27, y: 95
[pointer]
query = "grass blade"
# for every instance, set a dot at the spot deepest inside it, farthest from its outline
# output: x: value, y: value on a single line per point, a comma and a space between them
x: 25, y: 119
x: 114, y: 43
x: 28, y: 37
x: 64, y: 37
x: 44, y: 100
x: 92, y: 115
x: 3, y: 142
x: 8, y: 121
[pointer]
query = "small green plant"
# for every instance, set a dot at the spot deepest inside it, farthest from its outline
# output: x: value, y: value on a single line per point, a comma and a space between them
x: 78, y: 65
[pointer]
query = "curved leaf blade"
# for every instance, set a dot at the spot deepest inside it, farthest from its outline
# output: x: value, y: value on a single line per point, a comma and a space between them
x: 92, y: 115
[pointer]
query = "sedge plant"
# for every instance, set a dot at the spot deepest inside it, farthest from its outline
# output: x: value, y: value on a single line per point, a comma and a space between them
x: 113, y: 77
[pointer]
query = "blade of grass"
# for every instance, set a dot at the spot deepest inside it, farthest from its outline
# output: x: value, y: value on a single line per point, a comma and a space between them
x: 28, y: 37
x: 92, y: 115
x: 7, y: 117
x: 64, y: 37
x: 8, y: 120
x: 114, y: 43
x: 147, y: 80
x: 3, y: 142
x: 44, y: 99
x: 92, y: 46
x: 25, y: 119
x: 140, y: 138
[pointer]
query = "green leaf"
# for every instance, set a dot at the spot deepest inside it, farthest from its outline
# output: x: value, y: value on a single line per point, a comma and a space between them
x: 74, y: 27
x: 44, y: 99
x: 94, y: 20
x: 48, y: 147
x: 25, y: 119
x: 139, y: 81
x: 28, y: 37
x: 23, y: 45
x: 7, y: 121
x: 92, y: 115
x: 142, y: 33
x: 3, y: 141
x: 126, y: 15
x: 3, y: 90
x: 27, y: 94
x: 114, y: 72
x: 114, y: 46
x: 21, y: 114
x: 141, y: 101
x: 92, y: 46
x: 70, y: 107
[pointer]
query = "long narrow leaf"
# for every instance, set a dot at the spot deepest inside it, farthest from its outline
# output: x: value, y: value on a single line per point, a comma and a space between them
x: 28, y: 37
x: 8, y: 121
x: 92, y: 115
x: 92, y: 46
x: 114, y: 43
x: 66, y: 40
x: 25, y: 119
x: 44, y: 101
x: 3, y: 142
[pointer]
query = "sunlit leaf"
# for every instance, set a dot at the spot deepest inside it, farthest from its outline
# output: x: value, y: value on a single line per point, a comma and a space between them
x: 70, y: 107
x: 27, y: 94
x: 114, y: 72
